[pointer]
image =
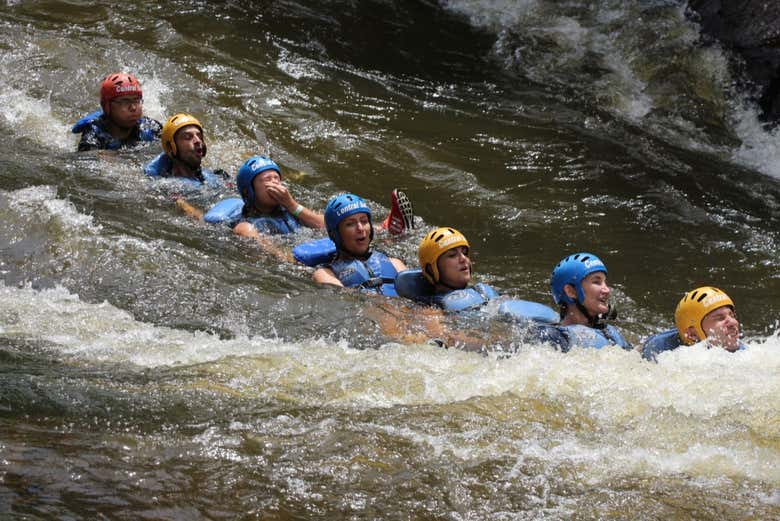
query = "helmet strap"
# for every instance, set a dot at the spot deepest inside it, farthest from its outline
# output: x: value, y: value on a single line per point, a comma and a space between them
x: 598, y: 321
x: 591, y: 319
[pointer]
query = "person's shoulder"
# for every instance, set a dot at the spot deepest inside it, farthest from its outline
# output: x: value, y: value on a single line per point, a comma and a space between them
x: 149, y: 129
x: 552, y: 334
x: 158, y: 166
x: 660, y: 342
x: 94, y: 135
x: 325, y: 275
x: 148, y: 122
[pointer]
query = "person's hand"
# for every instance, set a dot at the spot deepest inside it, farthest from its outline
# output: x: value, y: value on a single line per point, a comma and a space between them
x: 280, y: 194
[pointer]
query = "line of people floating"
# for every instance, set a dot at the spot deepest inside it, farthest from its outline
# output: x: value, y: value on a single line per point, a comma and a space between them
x: 443, y: 281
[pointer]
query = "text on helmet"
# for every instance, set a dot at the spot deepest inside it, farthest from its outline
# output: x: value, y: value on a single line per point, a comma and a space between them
x: 449, y: 240
x: 714, y: 299
x: 351, y: 206
x: 591, y: 263
x: 127, y: 88
x: 262, y: 163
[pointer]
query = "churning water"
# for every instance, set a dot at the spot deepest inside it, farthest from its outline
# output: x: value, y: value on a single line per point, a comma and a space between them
x: 152, y: 367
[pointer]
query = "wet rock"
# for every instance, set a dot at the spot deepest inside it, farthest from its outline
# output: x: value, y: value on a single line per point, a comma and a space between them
x: 751, y: 28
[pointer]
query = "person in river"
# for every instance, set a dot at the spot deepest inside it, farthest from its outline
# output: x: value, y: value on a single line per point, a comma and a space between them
x: 120, y: 123
x: 355, y: 265
x: 184, y: 147
x: 703, y: 314
x: 270, y: 209
x: 579, y: 288
x: 443, y: 286
x: 446, y: 266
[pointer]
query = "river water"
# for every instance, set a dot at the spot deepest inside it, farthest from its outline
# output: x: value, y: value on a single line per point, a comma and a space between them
x: 152, y: 367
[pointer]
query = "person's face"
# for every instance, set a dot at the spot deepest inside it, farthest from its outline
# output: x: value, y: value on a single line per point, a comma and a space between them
x: 455, y: 267
x: 260, y: 184
x: 190, y: 147
x: 722, y: 328
x: 355, y: 232
x: 596, y: 292
x: 126, y: 110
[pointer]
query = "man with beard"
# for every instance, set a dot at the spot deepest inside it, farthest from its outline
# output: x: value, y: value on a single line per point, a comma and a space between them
x: 184, y: 147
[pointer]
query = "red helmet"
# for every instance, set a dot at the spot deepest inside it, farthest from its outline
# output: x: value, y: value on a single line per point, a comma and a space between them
x: 116, y: 85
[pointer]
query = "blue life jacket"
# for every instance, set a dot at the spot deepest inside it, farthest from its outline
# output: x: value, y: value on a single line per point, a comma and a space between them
x: 413, y: 285
x: 666, y: 341
x: 86, y: 122
x: 376, y: 273
x: 161, y: 166
x: 525, y: 310
x: 316, y: 252
x: 466, y: 298
x: 95, y: 134
x: 577, y: 335
x: 281, y: 222
x: 660, y: 342
x: 226, y: 211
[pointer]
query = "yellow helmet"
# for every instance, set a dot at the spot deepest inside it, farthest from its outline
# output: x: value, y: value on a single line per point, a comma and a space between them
x: 172, y: 126
x: 694, y: 306
x: 433, y: 246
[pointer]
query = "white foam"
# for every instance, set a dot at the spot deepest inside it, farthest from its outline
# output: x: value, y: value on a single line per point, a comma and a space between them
x: 155, y: 90
x: 298, y: 67
x: 41, y: 203
x: 101, y: 332
x: 493, y: 14
x: 760, y: 149
x: 34, y: 119
x: 607, y: 412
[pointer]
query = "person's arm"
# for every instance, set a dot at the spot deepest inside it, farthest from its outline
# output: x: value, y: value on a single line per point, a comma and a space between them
x: 421, y: 325
x: 188, y: 209
x: 398, y: 264
x: 307, y: 217
x: 326, y: 276
x: 246, y: 229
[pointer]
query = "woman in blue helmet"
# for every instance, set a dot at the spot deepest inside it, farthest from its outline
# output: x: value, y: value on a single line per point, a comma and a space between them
x: 355, y: 265
x: 269, y: 208
x: 579, y: 288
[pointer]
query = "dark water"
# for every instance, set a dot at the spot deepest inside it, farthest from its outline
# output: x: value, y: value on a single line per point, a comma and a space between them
x: 156, y: 368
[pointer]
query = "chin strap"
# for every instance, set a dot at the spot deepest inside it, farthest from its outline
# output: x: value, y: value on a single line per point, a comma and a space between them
x: 598, y: 321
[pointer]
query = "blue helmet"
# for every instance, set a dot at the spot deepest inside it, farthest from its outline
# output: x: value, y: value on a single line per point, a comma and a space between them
x: 572, y: 270
x: 253, y: 167
x: 339, y: 208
